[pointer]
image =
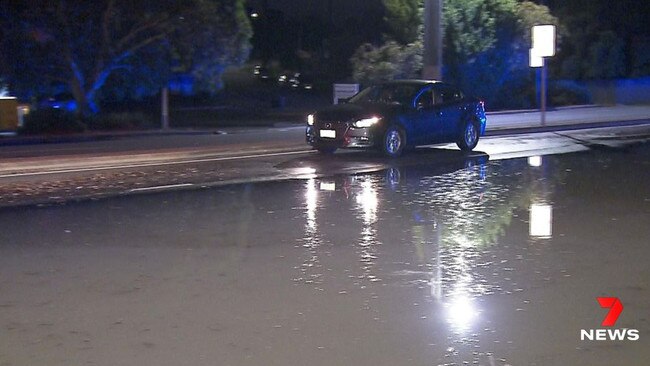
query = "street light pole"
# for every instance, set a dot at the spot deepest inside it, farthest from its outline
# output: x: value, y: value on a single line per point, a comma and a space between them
x: 543, y: 92
x: 164, y: 109
x: 543, y: 46
x: 433, y: 36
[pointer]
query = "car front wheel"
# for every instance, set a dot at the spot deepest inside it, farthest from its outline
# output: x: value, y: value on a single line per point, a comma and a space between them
x: 468, y: 139
x: 393, y: 142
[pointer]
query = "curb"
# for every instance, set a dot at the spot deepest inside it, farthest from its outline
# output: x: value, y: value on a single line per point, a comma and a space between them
x: 564, y: 127
x: 57, y: 139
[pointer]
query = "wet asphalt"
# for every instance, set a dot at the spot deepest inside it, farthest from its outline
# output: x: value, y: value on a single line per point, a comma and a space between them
x: 54, y: 180
x: 491, y: 258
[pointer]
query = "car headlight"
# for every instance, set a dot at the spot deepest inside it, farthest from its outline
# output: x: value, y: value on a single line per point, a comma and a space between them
x: 366, y: 122
x: 310, y: 119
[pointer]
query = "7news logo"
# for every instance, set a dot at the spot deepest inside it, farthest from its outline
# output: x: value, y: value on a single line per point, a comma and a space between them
x: 615, y: 307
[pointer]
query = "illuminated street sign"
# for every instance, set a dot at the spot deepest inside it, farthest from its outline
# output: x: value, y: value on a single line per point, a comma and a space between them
x: 544, y: 40
x: 535, y: 59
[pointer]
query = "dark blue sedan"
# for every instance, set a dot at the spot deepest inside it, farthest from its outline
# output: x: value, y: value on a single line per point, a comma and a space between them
x: 399, y: 114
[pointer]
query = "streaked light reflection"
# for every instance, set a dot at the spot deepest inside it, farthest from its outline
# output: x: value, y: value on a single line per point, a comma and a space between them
x: 461, y: 312
x: 311, y: 201
x: 541, y: 220
x: 368, y: 202
x: 310, y: 268
x: 305, y: 172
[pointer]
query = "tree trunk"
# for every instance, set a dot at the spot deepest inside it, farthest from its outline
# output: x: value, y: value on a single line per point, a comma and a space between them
x: 83, y: 108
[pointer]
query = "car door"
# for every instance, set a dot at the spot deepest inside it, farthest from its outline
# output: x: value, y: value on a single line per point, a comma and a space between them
x: 424, y: 118
x: 450, y: 106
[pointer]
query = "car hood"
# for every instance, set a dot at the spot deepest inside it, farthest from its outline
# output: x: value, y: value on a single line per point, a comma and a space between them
x: 351, y: 112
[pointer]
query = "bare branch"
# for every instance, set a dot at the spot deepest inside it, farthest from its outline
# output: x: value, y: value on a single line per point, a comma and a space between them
x: 141, y: 29
x: 56, y: 77
x: 106, y: 37
x: 116, y: 60
x: 71, y: 64
x: 106, y: 20
x: 146, y: 42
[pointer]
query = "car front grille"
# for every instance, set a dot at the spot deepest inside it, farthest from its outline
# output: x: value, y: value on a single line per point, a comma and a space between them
x: 339, y: 127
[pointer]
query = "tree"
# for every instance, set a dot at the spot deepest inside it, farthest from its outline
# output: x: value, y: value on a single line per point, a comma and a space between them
x: 403, y: 19
x: 530, y: 14
x: 81, y: 44
x: 596, y: 25
x: 400, y: 56
x: 388, y: 62
x: 486, y: 46
x: 606, y: 57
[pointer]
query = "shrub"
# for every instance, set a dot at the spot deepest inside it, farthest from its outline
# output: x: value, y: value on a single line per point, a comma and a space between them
x: 51, y: 121
x: 121, y: 121
x: 567, y: 92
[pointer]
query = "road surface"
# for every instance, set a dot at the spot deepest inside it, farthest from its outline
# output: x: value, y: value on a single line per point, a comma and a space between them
x: 60, y: 172
x: 437, y: 258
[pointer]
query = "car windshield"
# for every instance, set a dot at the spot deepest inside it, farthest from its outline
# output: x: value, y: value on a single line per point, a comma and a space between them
x: 394, y: 94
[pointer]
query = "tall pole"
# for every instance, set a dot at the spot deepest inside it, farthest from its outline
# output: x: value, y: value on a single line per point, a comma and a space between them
x: 543, y: 92
x: 164, y: 109
x: 543, y: 47
x: 432, y: 40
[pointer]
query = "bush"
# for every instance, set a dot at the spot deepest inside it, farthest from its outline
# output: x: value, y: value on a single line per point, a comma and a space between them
x: 51, y: 121
x: 567, y: 92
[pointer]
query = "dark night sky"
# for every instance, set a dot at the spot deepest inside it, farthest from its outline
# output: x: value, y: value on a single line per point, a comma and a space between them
x: 341, y: 9
x: 618, y: 13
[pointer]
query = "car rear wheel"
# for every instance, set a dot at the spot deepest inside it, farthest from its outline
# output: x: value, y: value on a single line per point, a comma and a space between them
x: 393, y: 142
x: 468, y: 139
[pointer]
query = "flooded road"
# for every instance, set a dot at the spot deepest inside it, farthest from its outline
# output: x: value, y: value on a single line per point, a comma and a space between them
x: 471, y: 262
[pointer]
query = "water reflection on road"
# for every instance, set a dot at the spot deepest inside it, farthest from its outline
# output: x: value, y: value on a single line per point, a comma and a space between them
x: 467, y: 262
x: 444, y: 217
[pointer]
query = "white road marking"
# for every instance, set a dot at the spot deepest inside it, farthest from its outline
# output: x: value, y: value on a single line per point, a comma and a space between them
x: 159, y: 188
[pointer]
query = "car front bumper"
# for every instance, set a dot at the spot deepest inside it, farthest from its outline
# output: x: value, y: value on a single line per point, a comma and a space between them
x: 346, y: 137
